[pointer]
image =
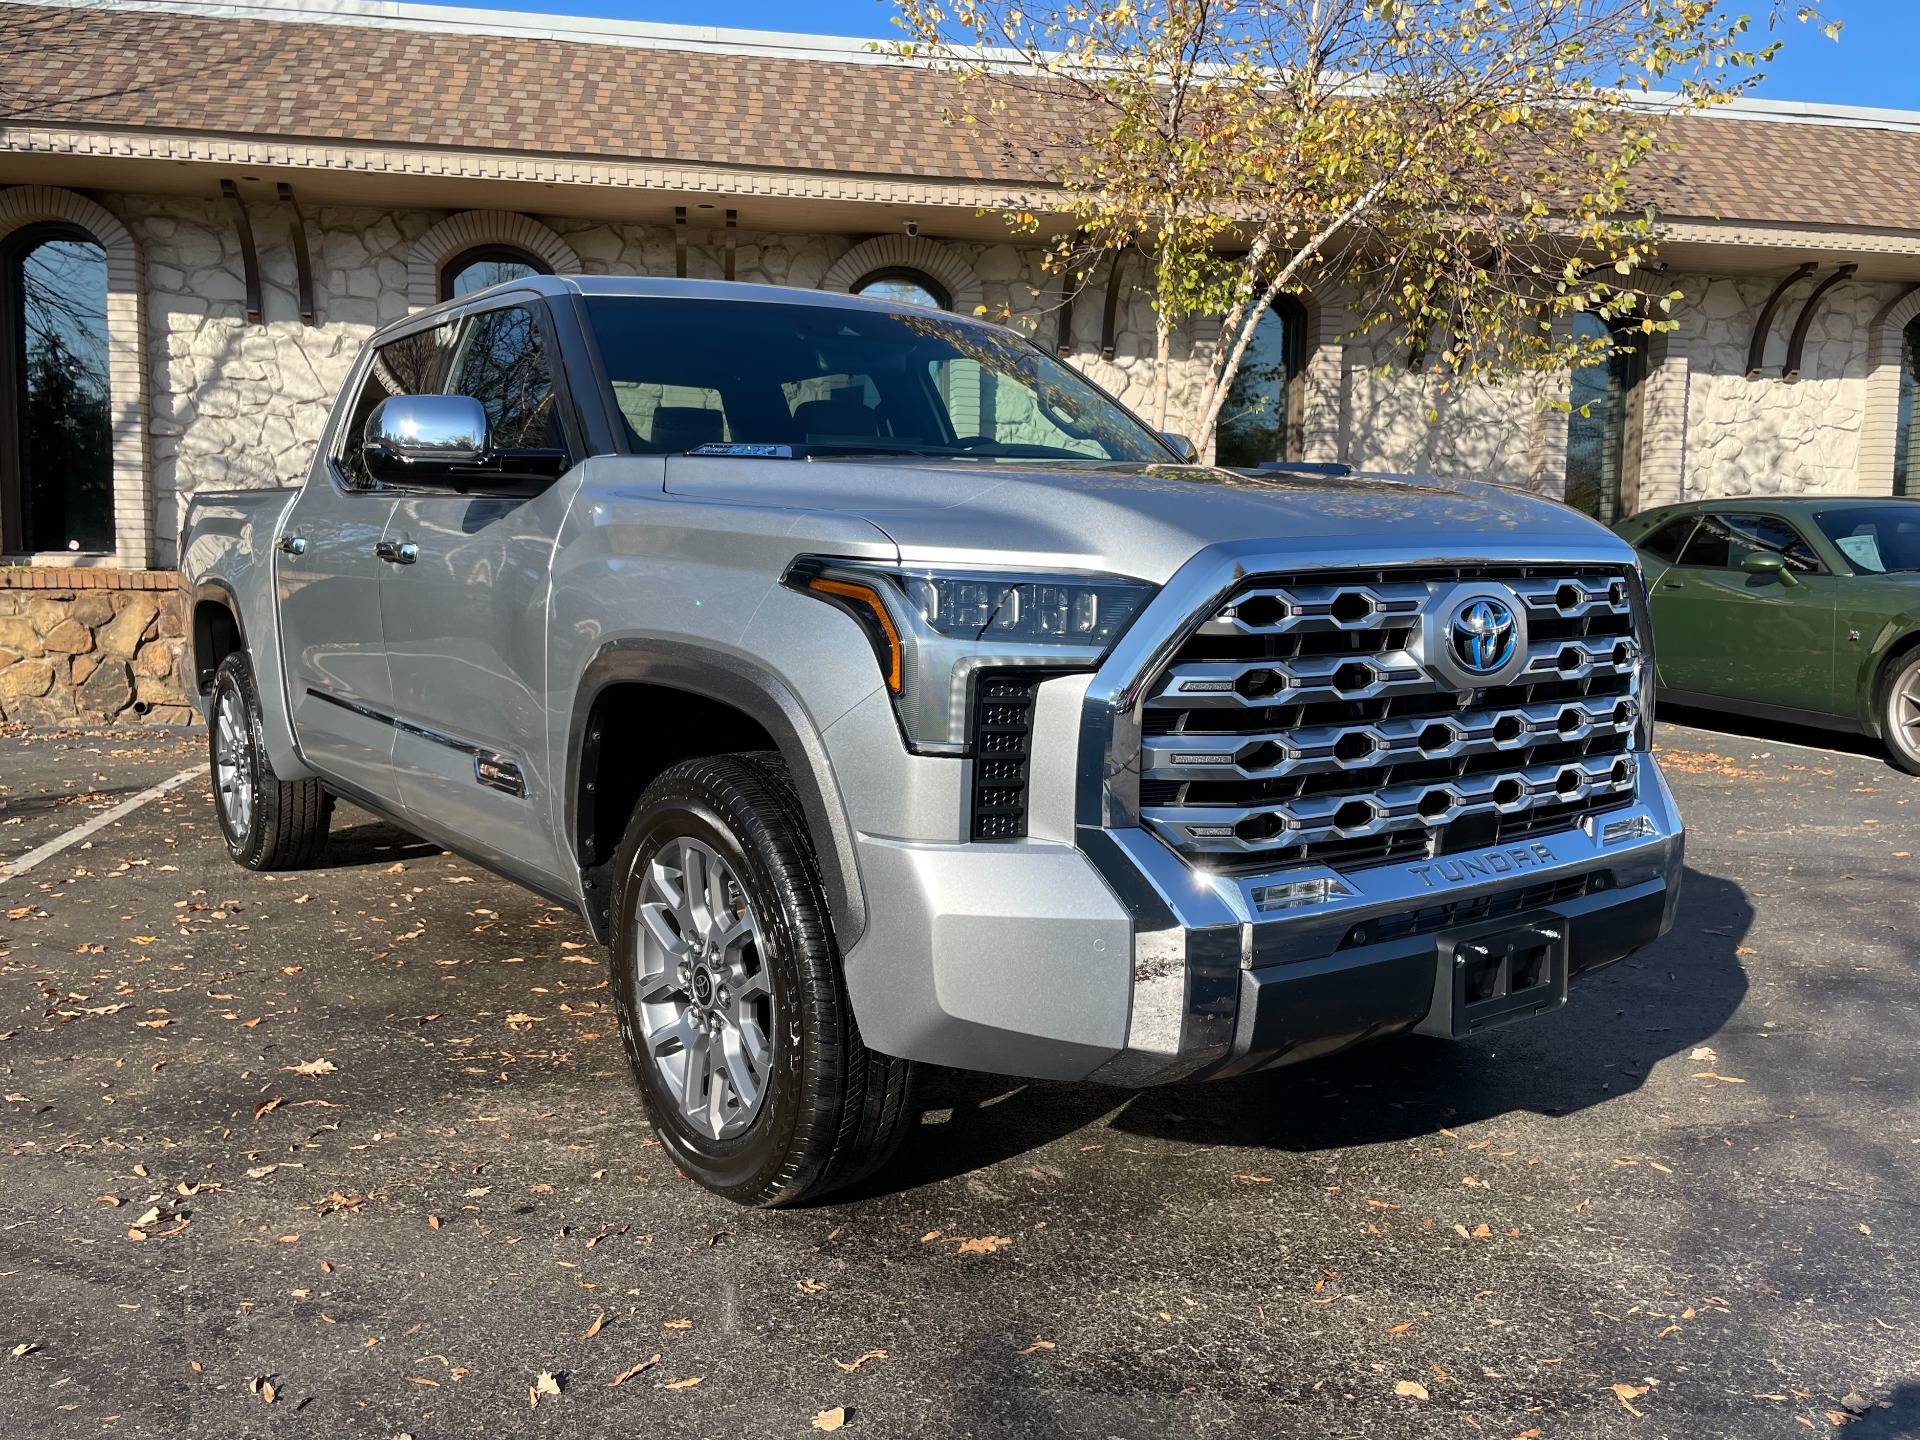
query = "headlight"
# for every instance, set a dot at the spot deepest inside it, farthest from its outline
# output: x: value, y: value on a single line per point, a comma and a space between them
x: 933, y: 630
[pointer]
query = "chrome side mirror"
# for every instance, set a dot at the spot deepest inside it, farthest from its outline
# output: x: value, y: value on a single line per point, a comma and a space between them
x: 421, y: 437
x: 1188, y: 451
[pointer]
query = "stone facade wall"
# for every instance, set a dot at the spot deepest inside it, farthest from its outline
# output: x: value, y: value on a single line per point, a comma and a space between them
x: 91, y: 646
x: 1766, y: 436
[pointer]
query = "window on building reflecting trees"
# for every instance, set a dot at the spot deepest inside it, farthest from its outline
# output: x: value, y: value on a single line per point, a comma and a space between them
x: 486, y: 265
x: 56, y: 421
x: 904, y: 287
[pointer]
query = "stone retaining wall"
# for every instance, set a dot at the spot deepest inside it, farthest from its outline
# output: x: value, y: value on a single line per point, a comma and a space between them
x: 93, y: 645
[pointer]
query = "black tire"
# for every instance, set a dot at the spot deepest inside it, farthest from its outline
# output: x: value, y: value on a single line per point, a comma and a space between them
x: 1900, y: 711
x: 829, y: 1111
x: 284, y: 824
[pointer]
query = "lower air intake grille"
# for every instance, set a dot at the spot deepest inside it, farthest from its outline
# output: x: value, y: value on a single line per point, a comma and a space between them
x: 1002, y: 736
x: 1449, y: 914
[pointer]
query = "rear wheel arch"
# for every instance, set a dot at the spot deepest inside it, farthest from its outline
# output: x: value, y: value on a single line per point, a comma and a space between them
x: 699, y: 702
x: 1883, y: 672
x: 217, y: 631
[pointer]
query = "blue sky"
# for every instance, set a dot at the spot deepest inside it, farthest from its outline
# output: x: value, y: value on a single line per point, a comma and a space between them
x: 1875, y: 62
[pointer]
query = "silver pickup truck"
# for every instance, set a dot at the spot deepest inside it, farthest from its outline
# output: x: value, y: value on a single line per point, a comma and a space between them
x: 883, y: 692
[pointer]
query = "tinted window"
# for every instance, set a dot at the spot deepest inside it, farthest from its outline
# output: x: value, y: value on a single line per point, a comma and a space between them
x: 1666, y: 540
x: 1723, y: 541
x: 503, y: 364
x: 848, y: 381
x: 1875, y: 539
x: 412, y: 365
x: 56, y: 422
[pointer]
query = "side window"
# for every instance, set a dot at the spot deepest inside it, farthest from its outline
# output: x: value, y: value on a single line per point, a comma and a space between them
x: 1710, y: 546
x: 412, y: 365
x: 503, y: 363
x: 1665, y: 542
x: 1774, y: 536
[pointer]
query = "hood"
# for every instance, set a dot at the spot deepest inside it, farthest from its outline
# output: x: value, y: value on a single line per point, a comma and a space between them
x: 1146, y: 520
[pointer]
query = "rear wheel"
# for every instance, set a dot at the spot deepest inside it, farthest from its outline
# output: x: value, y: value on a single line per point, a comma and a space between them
x: 268, y: 823
x: 730, y: 997
x: 1900, y: 712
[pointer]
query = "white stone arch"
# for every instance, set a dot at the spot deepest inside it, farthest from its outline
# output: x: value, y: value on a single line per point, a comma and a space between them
x: 479, y: 227
x: 909, y: 252
x: 126, y: 358
x: 1880, y: 427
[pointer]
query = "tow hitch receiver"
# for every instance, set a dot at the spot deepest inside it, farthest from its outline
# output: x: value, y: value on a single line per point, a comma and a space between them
x: 1488, y: 975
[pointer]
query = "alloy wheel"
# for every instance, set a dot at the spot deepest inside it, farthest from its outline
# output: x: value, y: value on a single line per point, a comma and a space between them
x: 705, y: 995
x: 232, y: 763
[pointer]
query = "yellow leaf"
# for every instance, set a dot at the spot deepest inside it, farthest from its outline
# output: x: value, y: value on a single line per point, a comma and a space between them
x: 1412, y: 1389
x: 831, y: 1419
x: 985, y: 1245
x: 686, y: 1384
x: 850, y: 1367
x: 633, y: 1370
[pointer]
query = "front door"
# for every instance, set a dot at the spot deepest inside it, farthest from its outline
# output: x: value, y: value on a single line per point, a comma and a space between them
x: 335, y: 658
x: 1764, y: 639
x: 464, y: 609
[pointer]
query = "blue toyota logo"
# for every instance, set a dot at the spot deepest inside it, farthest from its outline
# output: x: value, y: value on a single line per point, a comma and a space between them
x: 1482, y: 635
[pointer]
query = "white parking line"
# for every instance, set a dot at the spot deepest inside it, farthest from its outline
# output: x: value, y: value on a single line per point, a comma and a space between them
x: 99, y: 822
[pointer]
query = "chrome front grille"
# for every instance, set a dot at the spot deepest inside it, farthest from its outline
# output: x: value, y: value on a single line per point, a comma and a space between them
x: 1300, y: 723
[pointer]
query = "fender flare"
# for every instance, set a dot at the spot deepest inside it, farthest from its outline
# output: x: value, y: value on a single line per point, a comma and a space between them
x: 764, y: 697
x: 217, y: 592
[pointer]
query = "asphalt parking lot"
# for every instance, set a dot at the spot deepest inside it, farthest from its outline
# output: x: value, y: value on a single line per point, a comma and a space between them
x: 353, y: 1152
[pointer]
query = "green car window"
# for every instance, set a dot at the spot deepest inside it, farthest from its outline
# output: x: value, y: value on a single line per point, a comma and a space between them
x: 1665, y: 542
x: 1723, y: 541
x: 1875, y: 539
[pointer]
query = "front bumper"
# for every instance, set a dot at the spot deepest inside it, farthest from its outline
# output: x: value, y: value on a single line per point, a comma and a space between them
x: 1227, y: 986
x: 1113, y: 960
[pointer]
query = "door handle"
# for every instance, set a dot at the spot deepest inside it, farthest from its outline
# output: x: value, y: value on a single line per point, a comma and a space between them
x: 293, y: 544
x: 1673, y: 585
x: 403, y: 553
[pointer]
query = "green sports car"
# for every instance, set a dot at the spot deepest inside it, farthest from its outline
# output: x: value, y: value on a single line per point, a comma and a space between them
x: 1803, y: 610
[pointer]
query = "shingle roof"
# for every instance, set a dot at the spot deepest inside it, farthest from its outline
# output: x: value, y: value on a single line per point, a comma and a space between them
x: 391, y: 85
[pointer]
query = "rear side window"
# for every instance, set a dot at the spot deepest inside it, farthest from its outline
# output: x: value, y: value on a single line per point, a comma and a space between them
x: 417, y: 364
x: 1723, y: 541
x: 1665, y: 542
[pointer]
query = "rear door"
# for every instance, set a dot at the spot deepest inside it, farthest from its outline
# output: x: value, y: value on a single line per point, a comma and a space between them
x: 464, y: 607
x: 1762, y: 639
x: 333, y: 652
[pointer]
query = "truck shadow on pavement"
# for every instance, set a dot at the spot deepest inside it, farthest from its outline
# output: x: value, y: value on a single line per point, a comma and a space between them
x: 1657, y: 1004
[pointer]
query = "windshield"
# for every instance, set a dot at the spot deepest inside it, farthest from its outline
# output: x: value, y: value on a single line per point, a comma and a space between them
x: 1875, y: 539
x: 843, y: 381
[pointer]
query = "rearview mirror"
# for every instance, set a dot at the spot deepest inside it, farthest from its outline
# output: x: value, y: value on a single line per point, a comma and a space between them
x: 1763, y: 562
x: 423, y: 438
x: 442, y: 441
x: 1188, y: 451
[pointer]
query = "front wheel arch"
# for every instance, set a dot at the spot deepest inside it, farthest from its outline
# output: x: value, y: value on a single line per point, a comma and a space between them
x: 760, y: 699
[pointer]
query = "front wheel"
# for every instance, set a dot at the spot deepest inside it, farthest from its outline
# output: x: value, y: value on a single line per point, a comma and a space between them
x: 268, y: 823
x: 731, y: 1003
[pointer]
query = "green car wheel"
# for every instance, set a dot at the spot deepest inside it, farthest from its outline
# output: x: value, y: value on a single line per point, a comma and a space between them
x: 1900, y: 712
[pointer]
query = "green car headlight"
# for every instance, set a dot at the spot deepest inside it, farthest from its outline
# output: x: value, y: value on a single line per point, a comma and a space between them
x: 933, y: 628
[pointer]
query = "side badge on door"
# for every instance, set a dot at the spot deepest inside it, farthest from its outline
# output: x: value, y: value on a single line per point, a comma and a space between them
x: 496, y: 772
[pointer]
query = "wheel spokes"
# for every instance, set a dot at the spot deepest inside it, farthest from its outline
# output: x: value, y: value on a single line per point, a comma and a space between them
x: 701, y: 985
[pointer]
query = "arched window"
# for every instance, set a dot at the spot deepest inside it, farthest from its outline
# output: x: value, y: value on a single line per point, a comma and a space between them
x: 904, y: 287
x: 1906, y: 462
x: 486, y: 265
x: 1261, y: 419
x: 56, y: 416
x: 1597, y: 457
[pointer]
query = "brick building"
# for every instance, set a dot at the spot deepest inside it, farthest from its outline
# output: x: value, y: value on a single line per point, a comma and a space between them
x: 205, y: 208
